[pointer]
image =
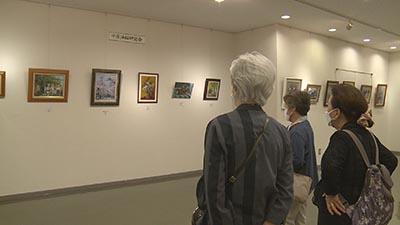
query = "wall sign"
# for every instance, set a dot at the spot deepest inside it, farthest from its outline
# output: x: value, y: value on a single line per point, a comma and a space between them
x: 124, y: 37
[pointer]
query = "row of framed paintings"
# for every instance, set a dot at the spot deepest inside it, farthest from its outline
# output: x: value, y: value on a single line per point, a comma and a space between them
x: 50, y: 85
x: 293, y: 84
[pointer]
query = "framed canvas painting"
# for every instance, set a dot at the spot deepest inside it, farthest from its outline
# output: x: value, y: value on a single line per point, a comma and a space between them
x: 380, y: 95
x: 366, y: 90
x: 328, y: 91
x: 48, y: 85
x: 182, y: 90
x: 314, y: 91
x: 147, y: 87
x: 352, y: 83
x: 2, y: 84
x: 105, y: 87
x: 211, y: 89
x: 291, y: 85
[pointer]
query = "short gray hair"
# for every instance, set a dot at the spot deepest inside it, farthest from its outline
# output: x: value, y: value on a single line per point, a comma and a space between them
x: 253, y: 76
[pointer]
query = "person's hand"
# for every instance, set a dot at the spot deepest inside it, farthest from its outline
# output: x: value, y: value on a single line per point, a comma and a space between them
x: 268, y: 223
x: 334, y: 205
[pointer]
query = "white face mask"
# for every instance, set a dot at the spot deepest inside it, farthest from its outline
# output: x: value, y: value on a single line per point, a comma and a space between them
x: 287, y: 117
x: 328, y: 117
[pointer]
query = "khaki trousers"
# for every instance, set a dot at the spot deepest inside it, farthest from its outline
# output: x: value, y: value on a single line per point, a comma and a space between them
x: 297, y: 214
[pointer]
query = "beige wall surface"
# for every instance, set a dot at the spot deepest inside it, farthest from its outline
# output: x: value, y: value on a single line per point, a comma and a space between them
x: 393, y: 101
x: 55, y: 145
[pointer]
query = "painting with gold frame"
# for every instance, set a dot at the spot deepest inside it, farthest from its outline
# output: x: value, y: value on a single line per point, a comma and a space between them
x: 314, y: 91
x: 48, y: 85
x: 380, y: 95
x: 106, y: 85
x: 148, y: 87
x: 2, y: 84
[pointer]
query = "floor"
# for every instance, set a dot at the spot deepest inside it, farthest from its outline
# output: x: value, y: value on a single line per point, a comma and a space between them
x: 165, y: 203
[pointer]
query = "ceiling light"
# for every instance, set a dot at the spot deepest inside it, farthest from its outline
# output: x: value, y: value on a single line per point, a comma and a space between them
x: 219, y: 1
x: 332, y: 29
x: 366, y: 39
x: 349, y: 25
x: 285, y: 17
x: 393, y: 47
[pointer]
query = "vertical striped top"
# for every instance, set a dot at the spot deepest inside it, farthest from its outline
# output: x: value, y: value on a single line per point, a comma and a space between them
x: 263, y: 191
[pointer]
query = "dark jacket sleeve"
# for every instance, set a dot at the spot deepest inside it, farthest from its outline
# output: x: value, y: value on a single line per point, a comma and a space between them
x: 298, y: 148
x: 386, y: 157
x: 215, y: 176
x: 333, y: 163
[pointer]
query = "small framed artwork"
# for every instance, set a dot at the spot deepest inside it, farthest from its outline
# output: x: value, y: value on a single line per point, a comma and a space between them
x: 313, y: 90
x: 366, y: 90
x: 182, y: 90
x: 328, y: 91
x: 48, y: 85
x: 291, y: 85
x: 148, y: 87
x: 211, y: 89
x: 380, y: 95
x: 2, y: 84
x: 105, y: 87
x: 352, y: 83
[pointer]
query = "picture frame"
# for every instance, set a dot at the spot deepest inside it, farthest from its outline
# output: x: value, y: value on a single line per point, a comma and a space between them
x: 48, y: 85
x: 2, y: 84
x: 380, y: 95
x: 352, y: 83
x: 182, y: 90
x: 291, y: 85
x: 314, y: 91
x: 328, y: 91
x: 366, y: 91
x: 106, y: 85
x: 211, y: 89
x: 147, y: 87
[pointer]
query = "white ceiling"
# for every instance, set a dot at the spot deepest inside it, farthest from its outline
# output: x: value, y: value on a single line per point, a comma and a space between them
x: 375, y: 19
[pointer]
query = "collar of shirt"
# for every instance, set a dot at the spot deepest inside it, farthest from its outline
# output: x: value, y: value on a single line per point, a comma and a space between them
x: 300, y: 120
x: 249, y: 107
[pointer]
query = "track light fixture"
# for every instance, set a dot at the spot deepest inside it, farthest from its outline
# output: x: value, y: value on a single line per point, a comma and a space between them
x: 349, y: 25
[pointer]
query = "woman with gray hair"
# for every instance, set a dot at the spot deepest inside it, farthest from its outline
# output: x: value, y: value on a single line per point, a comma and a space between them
x: 247, y: 172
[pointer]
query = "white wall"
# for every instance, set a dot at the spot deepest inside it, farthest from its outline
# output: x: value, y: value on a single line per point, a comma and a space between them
x: 55, y: 145
x: 392, y: 102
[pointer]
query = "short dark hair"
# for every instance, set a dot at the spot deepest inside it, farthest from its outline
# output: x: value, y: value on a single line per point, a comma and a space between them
x: 349, y: 100
x: 300, y: 100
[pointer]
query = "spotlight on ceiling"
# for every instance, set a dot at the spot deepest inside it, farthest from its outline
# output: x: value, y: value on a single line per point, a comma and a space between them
x: 332, y: 29
x: 219, y: 1
x: 285, y: 17
x: 349, y: 25
x: 393, y: 47
x: 366, y: 39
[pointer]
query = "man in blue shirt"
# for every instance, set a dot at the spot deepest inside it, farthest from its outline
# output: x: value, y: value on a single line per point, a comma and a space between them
x: 297, y: 105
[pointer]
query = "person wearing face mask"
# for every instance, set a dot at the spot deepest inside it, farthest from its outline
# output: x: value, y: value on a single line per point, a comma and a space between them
x: 297, y: 105
x: 342, y: 167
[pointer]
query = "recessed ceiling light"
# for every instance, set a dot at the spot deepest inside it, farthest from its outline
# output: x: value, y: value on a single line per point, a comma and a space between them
x: 332, y: 29
x: 285, y: 17
x: 219, y: 1
x: 393, y: 47
x: 366, y: 39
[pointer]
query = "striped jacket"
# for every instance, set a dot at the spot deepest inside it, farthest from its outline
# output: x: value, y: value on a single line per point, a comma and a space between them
x: 263, y: 191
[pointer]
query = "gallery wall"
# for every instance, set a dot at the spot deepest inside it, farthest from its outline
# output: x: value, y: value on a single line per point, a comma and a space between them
x: 393, y: 101
x: 55, y: 145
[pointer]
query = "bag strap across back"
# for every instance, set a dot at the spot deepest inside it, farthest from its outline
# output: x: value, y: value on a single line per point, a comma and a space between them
x: 239, y: 169
x: 361, y: 148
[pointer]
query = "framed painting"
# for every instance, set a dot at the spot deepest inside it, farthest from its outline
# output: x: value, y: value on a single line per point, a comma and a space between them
x: 105, y: 87
x: 291, y: 85
x: 313, y: 90
x: 2, y: 84
x: 328, y: 91
x: 366, y: 90
x: 48, y: 85
x: 352, y: 83
x: 380, y: 95
x: 148, y: 87
x: 211, y: 89
x: 182, y: 90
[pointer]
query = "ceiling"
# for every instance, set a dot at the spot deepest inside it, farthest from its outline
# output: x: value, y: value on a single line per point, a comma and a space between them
x: 375, y: 19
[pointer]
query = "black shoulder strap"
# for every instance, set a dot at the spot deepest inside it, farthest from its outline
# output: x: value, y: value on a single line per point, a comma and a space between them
x: 239, y: 169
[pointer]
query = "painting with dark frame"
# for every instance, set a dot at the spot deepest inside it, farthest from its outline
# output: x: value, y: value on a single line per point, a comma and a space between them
x: 211, y: 89
x: 48, y: 85
x: 105, y: 87
x: 182, y: 90
x: 328, y: 91
x: 380, y: 95
x: 314, y: 91
x: 352, y: 83
x: 2, y: 84
x: 366, y: 91
x: 147, y: 87
x: 292, y: 84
